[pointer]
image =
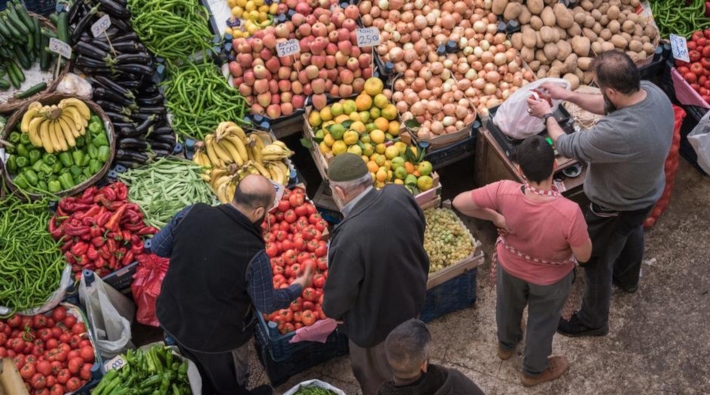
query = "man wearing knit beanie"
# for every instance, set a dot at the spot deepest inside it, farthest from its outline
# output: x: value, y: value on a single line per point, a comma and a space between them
x: 378, y: 268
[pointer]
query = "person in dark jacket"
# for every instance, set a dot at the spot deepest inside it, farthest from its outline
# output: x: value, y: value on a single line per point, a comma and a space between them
x: 219, y: 276
x: 407, y: 349
x: 378, y: 267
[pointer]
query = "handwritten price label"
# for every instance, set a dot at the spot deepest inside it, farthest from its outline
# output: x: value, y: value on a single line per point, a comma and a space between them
x: 101, y: 25
x: 367, y: 37
x: 116, y: 363
x: 60, y: 47
x: 679, y: 47
x: 287, y: 48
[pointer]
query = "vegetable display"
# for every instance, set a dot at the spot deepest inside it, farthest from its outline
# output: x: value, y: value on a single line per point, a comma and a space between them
x: 330, y: 62
x: 30, y: 262
x: 314, y: 391
x: 100, y: 230
x: 48, y: 158
x: 228, y: 155
x: 293, y: 235
x: 155, y: 371
x: 248, y: 16
x: 680, y: 17
x: 52, y: 351
x: 199, y: 99
x: 446, y: 239
x: 696, y: 72
x: 166, y: 187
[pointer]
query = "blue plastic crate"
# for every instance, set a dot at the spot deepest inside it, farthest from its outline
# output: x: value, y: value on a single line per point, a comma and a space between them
x: 453, y: 295
x: 453, y: 153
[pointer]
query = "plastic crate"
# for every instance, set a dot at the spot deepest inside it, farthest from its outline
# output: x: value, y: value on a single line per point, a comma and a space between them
x: 122, y: 279
x: 453, y: 295
x: 326, y: 205
x: 308, y: 356
x: 42, y: 7
x: 665, y: 81
x: 454, y: 153
x: 695, y: 114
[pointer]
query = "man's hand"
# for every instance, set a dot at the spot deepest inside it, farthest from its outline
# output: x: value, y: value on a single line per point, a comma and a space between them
x: 555, y: 91
x: 305, y: 279
x: 502, y: 225
x: 538, y: 108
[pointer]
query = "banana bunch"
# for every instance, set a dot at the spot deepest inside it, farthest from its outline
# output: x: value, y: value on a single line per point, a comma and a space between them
x: 56, y: 127
x: 228, y: 155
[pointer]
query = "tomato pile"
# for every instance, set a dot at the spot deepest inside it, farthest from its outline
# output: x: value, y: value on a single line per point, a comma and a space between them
x: 52, y: 351
x: 697, y: 72
x: 293, y: 233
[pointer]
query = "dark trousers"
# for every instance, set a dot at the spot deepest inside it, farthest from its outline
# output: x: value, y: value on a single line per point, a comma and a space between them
x: 545, y: 303
x: 222, y: 373
x: 370, y: 367
x: 617, y: 253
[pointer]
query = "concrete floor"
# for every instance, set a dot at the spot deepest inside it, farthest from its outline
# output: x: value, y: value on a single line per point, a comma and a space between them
x: 658, y: 341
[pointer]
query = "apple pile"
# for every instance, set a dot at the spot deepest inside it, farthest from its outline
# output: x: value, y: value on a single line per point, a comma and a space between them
x: 293, y: 233
x: 329, y: 61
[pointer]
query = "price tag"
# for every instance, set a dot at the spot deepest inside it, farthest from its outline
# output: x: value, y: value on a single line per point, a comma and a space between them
x: 287, y: 48
x: 101, y: 25
x: 116, y: 363
x: 367, y: 37
x: 60, y: 47
x: 679, y: 47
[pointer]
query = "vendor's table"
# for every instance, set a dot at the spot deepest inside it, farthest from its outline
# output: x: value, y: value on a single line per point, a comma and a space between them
x: 493, y: 165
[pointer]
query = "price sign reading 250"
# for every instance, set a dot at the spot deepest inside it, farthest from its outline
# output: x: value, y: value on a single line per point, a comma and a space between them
x: 367, y: 37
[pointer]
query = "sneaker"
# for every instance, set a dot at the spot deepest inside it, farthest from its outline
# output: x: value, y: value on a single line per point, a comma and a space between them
x: 262, y: 390
x: 556, y: 366
x: 575, y: 328
x: 505, y: 354
x: 628, y: 290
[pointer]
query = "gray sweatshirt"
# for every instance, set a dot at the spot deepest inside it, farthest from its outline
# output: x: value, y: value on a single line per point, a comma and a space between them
x: 626, y: 152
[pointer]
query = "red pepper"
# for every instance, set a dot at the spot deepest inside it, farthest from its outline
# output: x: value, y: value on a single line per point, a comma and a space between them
x: 88, y: 195
x: 100, y: 262
x: 79, y: 248
x: 112, y: 223
x: 127, y: 259
x: 111, y: 243
x: 113, y: 206
x: 88, y: 221
x: 86, y: 237
x: 112, y: 263
x: 135, y: 239
x: 133, y: 227
x: 76, y: 230
x: 104, y: 251
x: 103, y: 218
x: 83, y: 260
x: 137, y: 248
x: 96, y: 232
x: 92, y: 253
x: 56, y: 231
x: 109, y: 193
x: 121, y: 191
x: 126, y: 235
x: 148, y: 230
x: 132, y: 216
x: 70, y: 258
x: 98, y: 241
x: 89, y: 213
x: 66, y: 246
x: 98, y: 198
x: 60, y: 212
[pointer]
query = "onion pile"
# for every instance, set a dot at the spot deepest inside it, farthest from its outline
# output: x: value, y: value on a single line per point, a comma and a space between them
x: 439, y: 91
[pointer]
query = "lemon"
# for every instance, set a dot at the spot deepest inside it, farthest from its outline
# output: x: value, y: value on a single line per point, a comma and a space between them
x: 391, y: 152
x: 399, y: 182
x: 328, y: 140
x: 336, y: 109
x: 355, y: 149
x: 339, y: 147
x: 365, y: 138
x: 250, y: 6
x: 351, y: 137
x: 314, y: 119
x: 358, y: 127
x: 274, y: 8
x: 381, y: 101
x: 237, y: 12
x: 425, y: 183
x: 349, y: 107
x: 398, y: 162
x: 377, y: 136
x: 401, y: 147
x: 389, y: 112
x: 337, y: 131
x: 324, y: 148
x: 325, y: 114
x: 355, y: 116
x: 368, y: 149
x: 380, y: 148
x: 241, y: 3
x: 365, y: 116
x: 380, y: 160
x: 393, y: 128
x: 375, y: 113
x: 400, y: 173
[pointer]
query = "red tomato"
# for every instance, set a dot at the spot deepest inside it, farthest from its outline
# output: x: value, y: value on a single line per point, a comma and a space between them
x: 284, y: 205
x: 85, y: 372
x: 39, y: 321
x: 44, y: 367
x: 296, y: 316
x: 3, y: 338
x: 295, y: 270
x: 309, y: 294
x: 75, y: 365
x: 301, y: 211
x: 308, y: 318
x: 72, y: 354
x: 56, y: 367
x: 276, y: 270
x: 311, y: 209
x: 17, y: 345
x: 289, y: 257
x: 31, y: 359
x: 296, y: 200
x: 38, y: 381
x: 310, y: 263
x: 3, y: 352
x: 51, y: 381
x: 5, y: 328
x: 56, y: 389
x: 683, y: 69
x: 85, y: 343
x: 296, y: 305
x: 41, y: 391
x: 269, y: 237
x: 73, y: 384
x: 271, y: 250
x: 312, y: 245
x: 692, y: 45
x: 283, y: 285
x: 56, y: 332
x: 291, y: 217
x: 289, y: 327
x: 63, y: 376
x: 69, y: 321
x: 297, y: 326
x: 286, y: 195
x: 302, y: 256
x: 318, y: 281
x: 308, y: 305
x: 78, y: 328
x: 298, y: 243
x: 286, y: 315
x: 706, y: 32
x: 321, y: 314
x: 26, y: 321
x: 697, y: 69
x: 51, y: 343
x: 279, y: 216
x: 27, y: 371
x: 321, y: 225
x: 321, y: 262
x: 44, y: 334
x: 64, y: 338
x: 279, y: 278
x: 301, y: 224
x: 14, y: 321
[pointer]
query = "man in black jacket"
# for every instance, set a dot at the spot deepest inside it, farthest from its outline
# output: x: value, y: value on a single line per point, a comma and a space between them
x: 378, y: 266
x: 407, y: 349
x: 219, y: 276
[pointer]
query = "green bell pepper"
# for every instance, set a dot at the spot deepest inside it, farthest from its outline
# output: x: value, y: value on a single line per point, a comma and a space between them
x: 75, y: 170
x: 54, y: 186
x: 87, y: 171
x: 36, y: 166
x: 23, y: 151
x: 78, y: 157
x: 92, y: 151
x: 66, y: 181
x: 57, y: 167
x: 94, y: 166
x: 31, y: 176
x: 44, y: 168
x: 52, y: 177
x: 42, y: 185
x: 96, y: 127
x: 11, y: 149
x: 85, y: 161
x: 80, y: 141
x: 20, y: 181
x: 14, y: 138
x: 25, y: 139
x: 79, y: 179
x: 35, y: 155
x: 87, y: 138
x: 95, y: 119
x: 22, y: 161
x: 65, y: 158
x: 12, y: 164
x: 49, y: 159
x: 65, y: 170
x: 104, y: 153
x: 100, y: 140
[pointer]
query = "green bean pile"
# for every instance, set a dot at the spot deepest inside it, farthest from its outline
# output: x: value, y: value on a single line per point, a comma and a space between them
x: 172, y: 29
x: 678, y: 17
x: 314, y: 391
x: 165, y: 187
x: 199, y: 98
x: 31, y: 262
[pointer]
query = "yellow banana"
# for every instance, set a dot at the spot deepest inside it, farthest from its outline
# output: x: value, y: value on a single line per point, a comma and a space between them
x: 239, y: 145
x: 205, y: 177
x: 34, y: 104
x: 58, y: 135
x: 272, y: 158
x: 278, y: 174
x: 231, y: 190
x: 284, y: 169
x: 53, y: 137
x: 200, y: 158
x: 77, y: 119
x: 273, y: 149
x: 78, y: 104
x: 282, y: 145
x: 44, y: 135
x: 257, y: 154
x: 27, y: 118
x: 262, y: 170
x: 222, y: 194
x: 222, y: 154
x: 235, y: 130
x: 66, y: 129
x: 214, y: 159
x: 33, y: 131
x: 75, y: 130
x: 233, y: 152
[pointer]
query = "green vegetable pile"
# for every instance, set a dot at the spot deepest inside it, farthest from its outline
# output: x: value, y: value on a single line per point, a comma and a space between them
x: 314, y: 391
x: 446, y: 239
x: 678, y: 17
x: 171, y: 29
x: 31, y: 262
x: 147, y: 372
x: 34, y: 170
x: 166, y: 187
x: 199, y: 99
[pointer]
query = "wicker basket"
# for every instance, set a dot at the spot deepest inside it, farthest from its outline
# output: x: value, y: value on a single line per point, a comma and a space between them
x: 13, y: 104
x: 54, y: 99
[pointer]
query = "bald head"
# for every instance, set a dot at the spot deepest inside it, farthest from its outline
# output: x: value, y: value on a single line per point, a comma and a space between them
x: 254, y: 192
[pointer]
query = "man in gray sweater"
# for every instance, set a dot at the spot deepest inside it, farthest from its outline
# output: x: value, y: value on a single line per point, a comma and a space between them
x: 626, y: 153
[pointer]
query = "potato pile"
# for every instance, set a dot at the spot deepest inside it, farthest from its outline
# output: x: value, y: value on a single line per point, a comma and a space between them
x: 557, y: 41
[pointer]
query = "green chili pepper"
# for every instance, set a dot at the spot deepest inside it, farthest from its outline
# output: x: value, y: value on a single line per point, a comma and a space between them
x: 80, y: 141
x: 75, y: 170
x: 65, y: 158
x: 54, y: 186
x: 66, y: 181
x: 100, y: 140
x: 31, y: 176
x: 25, y: 139
x: 21, y: 181
x: 57, y: 167
x: 78, y: 157
x: 104, y: 153
x: 49, y: 159
x: 12, y: 164
x: 14, y: 138
x: 22, y: 151
x: 93, y: 151
x: 35, y: 155
x: 22, y: 161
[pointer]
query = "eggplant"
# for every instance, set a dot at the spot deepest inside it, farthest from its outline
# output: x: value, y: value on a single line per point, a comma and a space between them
x: 128, y: 164
x: 118, y: 118
x: 119, y: 125
x: 140, y: 117
x: 162, y: 130
x: 102, y: 45
x: 90, y: 51
x: 156, y: 145
x: 125, y: 37
x: 135, y: 68
x: 76, y: 11
x: 163, y: 138
x: 152, y: 88
x: 106, y: 94
x: 129, y: 84
x: 129, y: 155
x: 111, y: 85
x: 150, y: 101
x: 83, y: 24
x: 128, y: 132
x: 132, y: 143
x: 162, y: 153
x: 128, y: 47
x: 113, y: 107
x: 86, y: 61
x: 143, y: 127
x: 114, y: 9
x: 137, y: 58
x: 153, y: 110
x: 121, y: 24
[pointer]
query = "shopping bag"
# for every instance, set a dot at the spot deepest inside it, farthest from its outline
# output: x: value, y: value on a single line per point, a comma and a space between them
x: 66, y: 280
x: 146, y: 286
x: 110, y: 314
x: 312, y: 384
x: 512, y: 116
x: 699, y: 138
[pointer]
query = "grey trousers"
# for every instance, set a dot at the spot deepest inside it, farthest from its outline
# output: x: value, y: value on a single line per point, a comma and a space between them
x: 545, y: 303
x: 370, y: 367
x: 222, y: 373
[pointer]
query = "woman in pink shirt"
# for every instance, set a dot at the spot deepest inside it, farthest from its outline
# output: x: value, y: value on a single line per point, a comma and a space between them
x: 541, y: 235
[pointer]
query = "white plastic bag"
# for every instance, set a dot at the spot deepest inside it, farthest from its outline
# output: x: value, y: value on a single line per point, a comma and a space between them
x: 314, y: 383
x: 699, y: 138
x: 512, y: 117
x: 110, y: 314
x: 72, y: 84
x: 53, y: 301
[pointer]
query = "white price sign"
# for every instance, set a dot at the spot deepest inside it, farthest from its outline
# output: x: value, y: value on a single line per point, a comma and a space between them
x: 287, y: 48
x: 679, y: 47
x: 101, y: 25
x: 116, y: 363
x: 60, y: 47
x: 367, y: 37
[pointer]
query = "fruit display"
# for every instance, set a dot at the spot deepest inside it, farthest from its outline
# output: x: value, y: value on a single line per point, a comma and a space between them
x: 249, y: 16
x: 696, y: 72
x: 229, y: 154
x: 52, y: 150
x: 100, y: 230
x: 329, y: 61
x: 54, y: 352
x: 446, y: 239
x: 293, y: 235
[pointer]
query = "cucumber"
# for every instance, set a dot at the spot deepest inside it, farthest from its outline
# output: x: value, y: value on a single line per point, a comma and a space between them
x: 4, y: 31
x: 4, y: 85
x: 30, y: 45
x: 54, y: 18
x: 18, y: 72
x: 24, y: 16
x: 16, y: 36
x: 22, y: 58
x: 12, y: 73
x: 63, y: 27
x: 3, y: 72
x: 14, y: 18
x: 48, y: 33
x: 31, y: 91
x: 45, y: 58
x: 37, y: 34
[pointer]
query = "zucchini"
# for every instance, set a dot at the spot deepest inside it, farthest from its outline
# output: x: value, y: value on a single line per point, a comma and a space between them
x: 4, y: 85
x: 63, y: 27
x: 31, y: 91
x: 37, y: 34
x: 22, y: 58
x: 4, y: 31
x: 18, y: 72
x: 13, y: 31
x: 14, y: 18
x: 45, y: 58
x: 30, y: 45
x: 14, y: 78
x: 24, y: 16
x: 54, y: 18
